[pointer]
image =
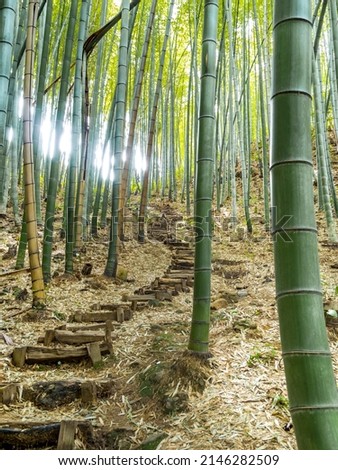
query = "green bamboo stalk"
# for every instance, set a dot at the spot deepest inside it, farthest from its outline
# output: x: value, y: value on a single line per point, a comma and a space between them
x: 76, y: 133
x: 154, y: 108
x: 134, y: 113
x: 121, y: 96
x: 321, y: 151
x: 39, y: 108
x: 266, y: 191
x: 199, y: 334
x: 7, y: 32
x: 55, y: 163
x: 310, y: 379
x: 231, y: 134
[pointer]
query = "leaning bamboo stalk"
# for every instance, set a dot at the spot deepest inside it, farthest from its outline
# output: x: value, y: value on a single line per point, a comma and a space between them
x: 30, y: 205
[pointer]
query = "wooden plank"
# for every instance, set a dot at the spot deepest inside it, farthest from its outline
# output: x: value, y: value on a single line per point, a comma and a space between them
x: 109, y: 307
x: 36, y: 435
x: 88, y: 327
x: 79, y: 337
x: 184, y: 253
x: 41, y: 354
x: 189, y: 272
x: 22, y: 436
x: 183, y: 262
x: 182, y: 265
x: 177, y: 243
x: 140, y: 298
x: 160, y: 294
x: 134, y: 299
x: 50, y: 395
x: 101, y: 316
x: 66, y: 440
x: 171, y: 281
x: 180, y: 258
x: 178, y: 275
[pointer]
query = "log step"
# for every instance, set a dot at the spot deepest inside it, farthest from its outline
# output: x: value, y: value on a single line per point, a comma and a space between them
x: 184, y: 251
x: 181, y: 265
x: 164, y: 294
x: 135, y: 299
x: 73, y: 337
x: 177, y: 244
x: 120, y: 315
x: 50, y: 395
x: 55, y: 435
x: 109, y: 307
x: 179, y: 285
x: 41, y: 354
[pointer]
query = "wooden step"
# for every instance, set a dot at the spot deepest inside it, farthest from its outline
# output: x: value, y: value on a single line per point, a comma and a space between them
x: 135, y: 299
x: 181, y: 264
x: 109, y: 307
x: 161, y: 295
x: 173, y: 283
x: 120, y: 315
x: 73, y: 337
x: 41, y: 435
x: 178, y: 244
x: 41, y: 354
x: 50, y: 395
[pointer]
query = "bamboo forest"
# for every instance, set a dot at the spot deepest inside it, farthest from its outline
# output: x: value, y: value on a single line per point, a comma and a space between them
x: 168, y: 235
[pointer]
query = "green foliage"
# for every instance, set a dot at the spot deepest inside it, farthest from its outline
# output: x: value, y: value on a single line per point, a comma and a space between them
x: 280, y: 401
x: 149, y: 380
x: 266, y: 356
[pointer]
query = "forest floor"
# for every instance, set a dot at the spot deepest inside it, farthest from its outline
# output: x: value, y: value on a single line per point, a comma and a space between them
x: 236, y: 400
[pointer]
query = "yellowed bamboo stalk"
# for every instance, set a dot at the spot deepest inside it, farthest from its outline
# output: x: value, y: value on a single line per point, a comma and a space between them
x: 38, y: 287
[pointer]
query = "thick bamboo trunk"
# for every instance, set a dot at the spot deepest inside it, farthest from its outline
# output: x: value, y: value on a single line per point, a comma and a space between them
x: 310, y: 379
